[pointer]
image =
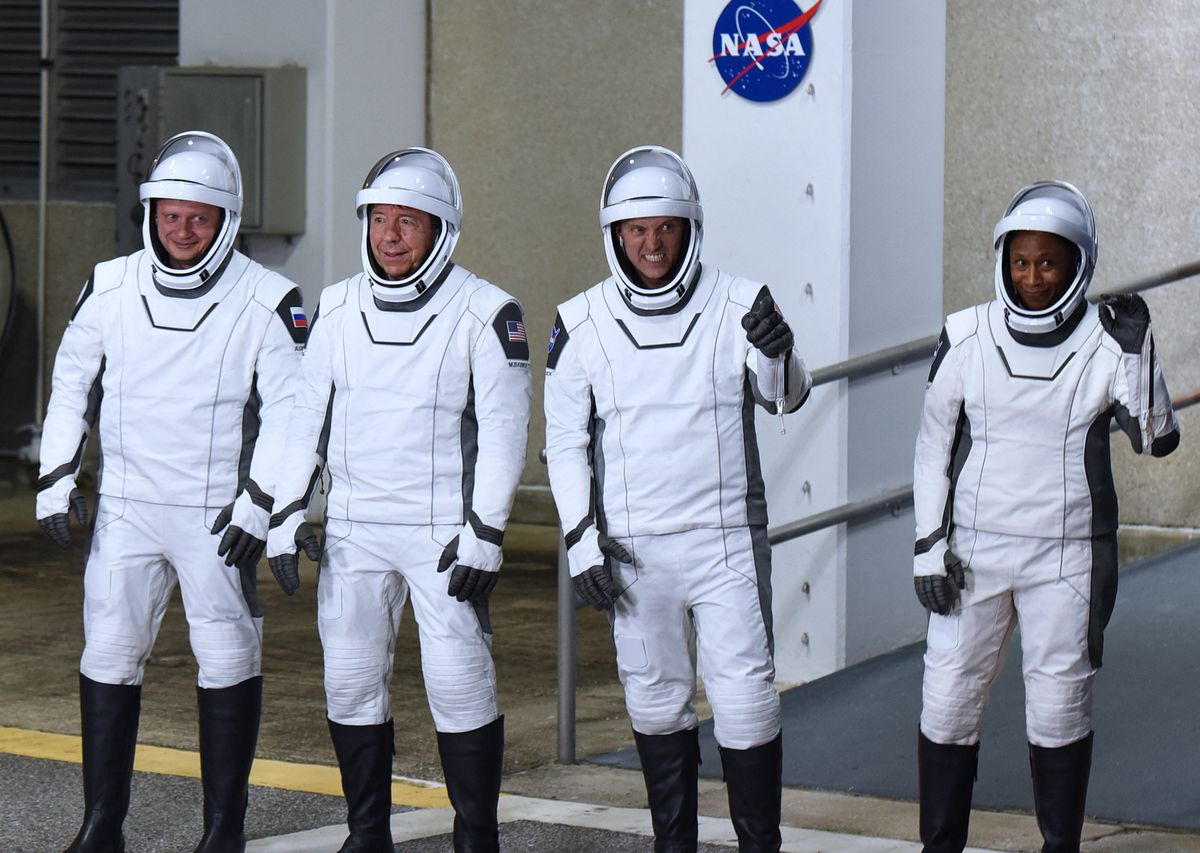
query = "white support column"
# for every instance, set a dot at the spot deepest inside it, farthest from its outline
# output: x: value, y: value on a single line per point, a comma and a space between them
x: 834, y: 200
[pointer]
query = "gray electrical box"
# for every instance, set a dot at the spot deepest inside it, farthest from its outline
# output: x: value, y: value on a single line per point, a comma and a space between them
x: 259, y: 112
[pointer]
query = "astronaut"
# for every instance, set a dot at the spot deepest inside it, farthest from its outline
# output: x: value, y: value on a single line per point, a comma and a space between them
x: 651, y: 381
x: 187, y: 351
x: 415, y: 393
x: 1015, y: 506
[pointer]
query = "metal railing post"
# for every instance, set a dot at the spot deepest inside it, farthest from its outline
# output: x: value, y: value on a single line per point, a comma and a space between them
x: 566, y: 658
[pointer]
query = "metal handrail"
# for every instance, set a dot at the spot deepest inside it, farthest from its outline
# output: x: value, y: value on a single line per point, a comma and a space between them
x: 893, y: 500
x: 915, y: 350
x: 1165, y: 277
x: 886, y: 359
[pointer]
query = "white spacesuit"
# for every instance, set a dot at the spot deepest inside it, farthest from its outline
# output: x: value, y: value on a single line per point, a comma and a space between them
x: 653, y: 462
x: 421, y: 386
x: 190, y: 367
x: 1016, y: 510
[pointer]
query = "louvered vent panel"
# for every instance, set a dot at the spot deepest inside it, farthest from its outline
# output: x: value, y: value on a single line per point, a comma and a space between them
x: 19, y: 96
x: 93, y: 39
x: 90, y: 40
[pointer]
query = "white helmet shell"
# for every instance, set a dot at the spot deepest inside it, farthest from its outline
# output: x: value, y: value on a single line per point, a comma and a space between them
x: 192, y: 166
x: 651, y: 181
x: 1055, y: 207
x: 421, y: 179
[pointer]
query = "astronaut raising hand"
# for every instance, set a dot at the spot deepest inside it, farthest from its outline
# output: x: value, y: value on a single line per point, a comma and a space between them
x: 1016, y: 509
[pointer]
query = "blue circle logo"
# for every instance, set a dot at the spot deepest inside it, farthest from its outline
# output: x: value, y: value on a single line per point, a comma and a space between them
x: 762, y: 48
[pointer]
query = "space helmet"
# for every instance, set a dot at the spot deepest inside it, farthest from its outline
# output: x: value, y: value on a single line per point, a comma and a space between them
x: 651, y: 181
x: 421, y: 179
x: 1058, y: 208
x: 192, y: 166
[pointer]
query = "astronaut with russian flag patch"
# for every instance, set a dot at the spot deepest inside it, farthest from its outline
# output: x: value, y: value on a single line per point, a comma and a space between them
x: 187, y: 352
x: 415, y: 396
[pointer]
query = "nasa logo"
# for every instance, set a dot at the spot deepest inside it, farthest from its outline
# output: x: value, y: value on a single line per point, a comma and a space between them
x: 762, y: 48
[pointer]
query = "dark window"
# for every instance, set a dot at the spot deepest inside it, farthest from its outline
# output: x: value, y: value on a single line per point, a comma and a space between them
x: 90, y: 40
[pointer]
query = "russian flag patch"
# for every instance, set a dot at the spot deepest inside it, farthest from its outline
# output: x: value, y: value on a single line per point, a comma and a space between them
x: 298, y: 318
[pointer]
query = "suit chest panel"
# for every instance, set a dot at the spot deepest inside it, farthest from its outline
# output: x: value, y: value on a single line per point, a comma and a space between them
x: 413, y: 360
x: 1037, y: 417
x: 156, y: 346
x: 687, y: 364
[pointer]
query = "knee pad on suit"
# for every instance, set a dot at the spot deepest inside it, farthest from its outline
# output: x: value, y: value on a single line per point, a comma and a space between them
x: 461, y: 686
x: 744, y: 716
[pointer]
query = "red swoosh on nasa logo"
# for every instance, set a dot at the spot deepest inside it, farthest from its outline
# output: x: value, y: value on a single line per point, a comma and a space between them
x: 786, y: 30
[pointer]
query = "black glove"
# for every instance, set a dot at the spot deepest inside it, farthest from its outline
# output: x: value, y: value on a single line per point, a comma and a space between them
x: 938, y: 593
x: 766, y: 328
x: 595, y: 586
x: 466, y: 583
x: 1127, y: 318
x: 238, y: 547
x: 286, y: 567
x: 58, y: 526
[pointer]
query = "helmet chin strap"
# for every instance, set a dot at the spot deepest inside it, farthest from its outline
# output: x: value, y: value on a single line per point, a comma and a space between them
x: 663, y: 299
x: 424, y: 287
x: 188, y: 288
x: 397, y: 292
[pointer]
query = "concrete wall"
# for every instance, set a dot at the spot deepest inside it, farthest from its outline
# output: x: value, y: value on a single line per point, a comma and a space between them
x: 531, y: 102
x: 1105, y: 95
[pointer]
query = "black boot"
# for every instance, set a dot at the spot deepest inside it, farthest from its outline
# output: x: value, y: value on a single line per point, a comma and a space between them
x: 670, y: 764
x: 946, y: 777
x: 364, y: 755
x: 109, y: 715
x: 228, y: 733
x: 473, y: 762
x: 1060, y: 783
x: 754, y: 782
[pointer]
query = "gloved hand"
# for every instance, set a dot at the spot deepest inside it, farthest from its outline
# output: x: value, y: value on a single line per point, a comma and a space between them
x: 467, y: 583
x: 286, y: 566
x: 242, y: 544
x: 57, y: 527
x: 766, y: 329
x: 1126, y: 317
x: 938, y: 593
x: 595, y: 586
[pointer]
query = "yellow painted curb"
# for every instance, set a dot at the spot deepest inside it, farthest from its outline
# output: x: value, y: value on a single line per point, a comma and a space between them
x: 310, y: 778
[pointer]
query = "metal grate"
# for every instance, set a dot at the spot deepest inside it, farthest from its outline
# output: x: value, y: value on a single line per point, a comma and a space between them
x: 91, y: 40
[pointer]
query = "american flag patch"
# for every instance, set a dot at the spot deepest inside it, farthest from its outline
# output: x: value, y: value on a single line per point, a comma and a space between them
x: 298, y: 318
x: 516, y: 331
